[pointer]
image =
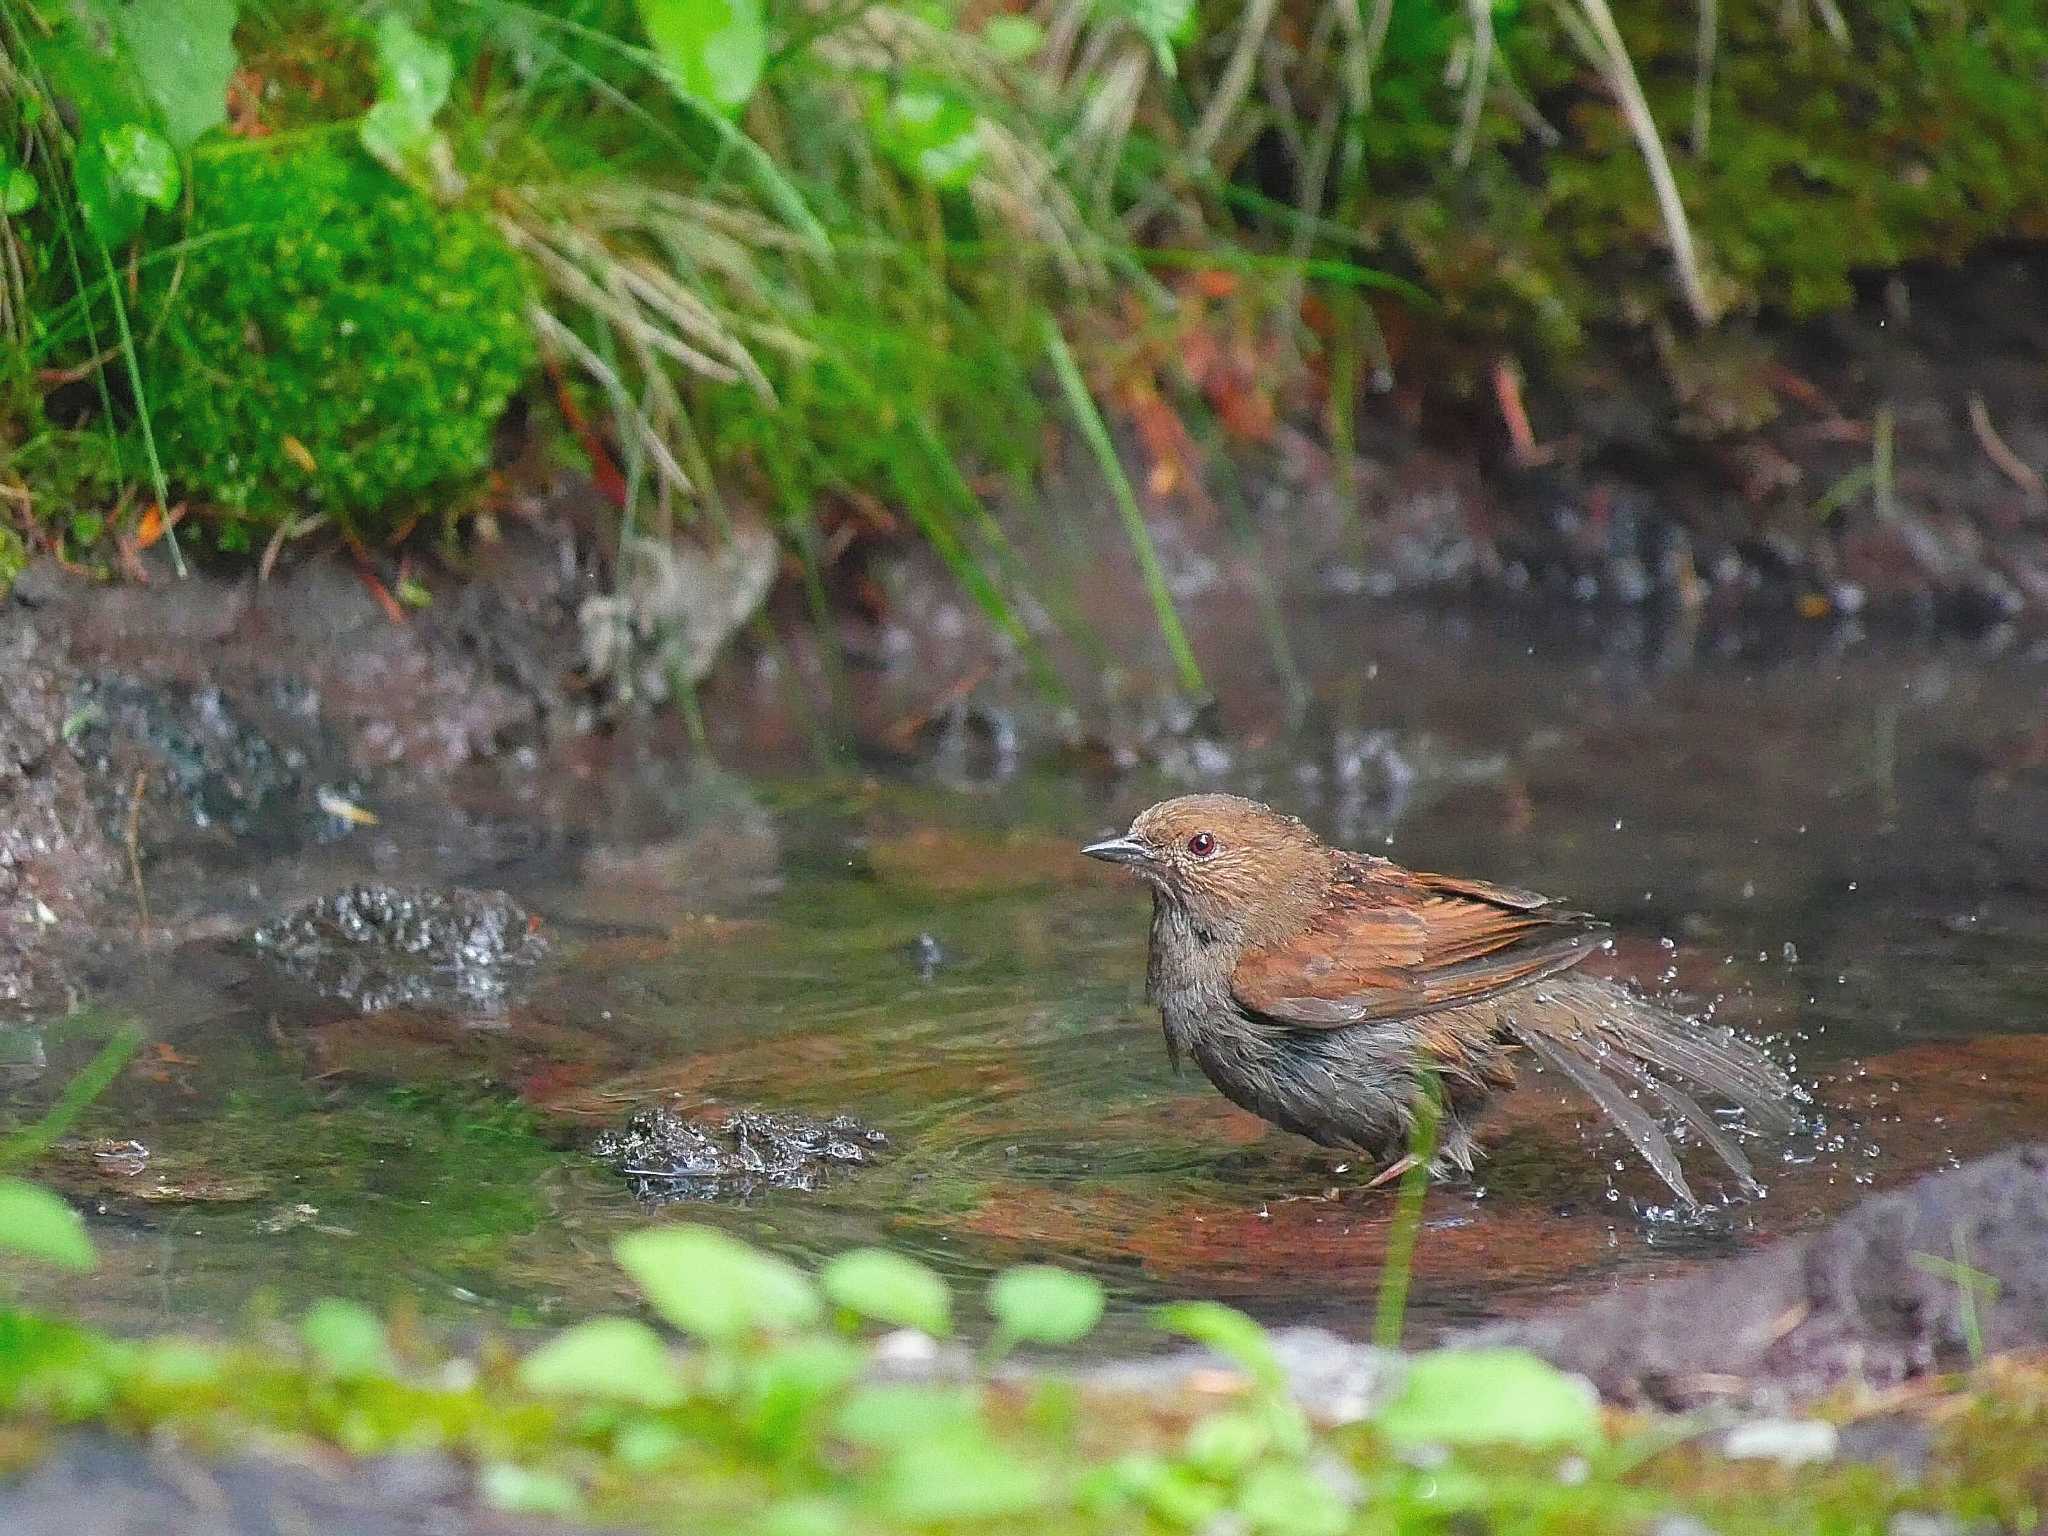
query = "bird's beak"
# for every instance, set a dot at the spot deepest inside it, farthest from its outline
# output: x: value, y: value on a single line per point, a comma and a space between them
x: 1120, y: 850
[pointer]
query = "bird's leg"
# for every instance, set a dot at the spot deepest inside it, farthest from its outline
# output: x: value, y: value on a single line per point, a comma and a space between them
x: 1392, y: 1171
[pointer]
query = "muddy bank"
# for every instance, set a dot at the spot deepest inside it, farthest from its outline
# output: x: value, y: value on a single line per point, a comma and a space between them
x: 55, y: 858
x: 1905, y: 1285
x: 1886, y: 460
x: 154, y: 736
x: 1879, y: 466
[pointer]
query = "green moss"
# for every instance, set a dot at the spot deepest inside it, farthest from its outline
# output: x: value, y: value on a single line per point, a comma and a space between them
x: 1919, y: 138
x: 335, y: 342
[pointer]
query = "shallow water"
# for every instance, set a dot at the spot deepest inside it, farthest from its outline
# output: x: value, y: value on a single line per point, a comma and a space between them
x: 1843, y: 848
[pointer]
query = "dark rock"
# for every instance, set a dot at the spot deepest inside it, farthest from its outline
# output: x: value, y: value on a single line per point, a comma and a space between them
x: 1905, y: 1285
x: 665, y: 1156
x: 378, y: 947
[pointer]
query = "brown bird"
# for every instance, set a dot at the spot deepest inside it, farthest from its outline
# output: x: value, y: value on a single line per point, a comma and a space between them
x: 1322, y: 990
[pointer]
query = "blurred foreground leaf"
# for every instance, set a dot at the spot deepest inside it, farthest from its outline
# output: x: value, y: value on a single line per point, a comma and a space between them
x: 713, y: 49
x: 889, y: 1288
x: 715, y: 1286
x: 607, y: 1357
x: 1038, y: 1304
x: 36, y: 1223
x: 346, y: 1339
x: 1491, y: 1397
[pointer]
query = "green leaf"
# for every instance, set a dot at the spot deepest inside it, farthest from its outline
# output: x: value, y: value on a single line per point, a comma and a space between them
x: 900, y: 1413
x: 1013, y: 38
x: 142, y: 164
x: 889, y: 1288
x: 121, y: 172
x: 525, y: 1491
x: 1287, y: 1499
x: 805, y: 1515
x: 48, y: 1367
x: 86, y: 528
x: 961, y: 1476
x: 1224, y: 1444
x: 713, y: 50
x: 607, y: 1357
x: 787, y: 1385
x: 1227, y: 1331
x: 1176, y: 1494
x: 86, y: 64
x: 715, y: 1286
x: 414, y: 74
x: 1491, y: 1397
x: 179, y: 1363
x: 1038, y: 1304
x: 110, y: 213
x: 643, y: 1444
x: 346, y: 1339
x: 18, y: 191
x: 36, y: 1223
x: 932, y: 135
x: 183, y: 52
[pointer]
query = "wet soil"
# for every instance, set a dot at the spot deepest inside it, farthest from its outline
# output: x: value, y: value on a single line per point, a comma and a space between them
x: 159, y: 736
x: 1884, y: 460
x: 55, y: 861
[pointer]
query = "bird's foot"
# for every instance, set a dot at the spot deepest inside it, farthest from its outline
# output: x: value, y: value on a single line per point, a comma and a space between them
x: 1392, y: 1171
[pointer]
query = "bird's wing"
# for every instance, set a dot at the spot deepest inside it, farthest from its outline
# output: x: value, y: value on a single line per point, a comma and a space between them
x: 1391, y: 944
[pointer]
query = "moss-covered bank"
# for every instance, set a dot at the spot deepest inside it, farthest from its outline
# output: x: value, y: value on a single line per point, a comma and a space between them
x: 790, y: 1432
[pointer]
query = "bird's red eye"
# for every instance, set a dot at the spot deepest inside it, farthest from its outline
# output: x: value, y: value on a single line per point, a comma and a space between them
x: 1201, y: 845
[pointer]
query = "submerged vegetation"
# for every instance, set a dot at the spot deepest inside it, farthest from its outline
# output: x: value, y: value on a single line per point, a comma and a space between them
x: 267, y: 267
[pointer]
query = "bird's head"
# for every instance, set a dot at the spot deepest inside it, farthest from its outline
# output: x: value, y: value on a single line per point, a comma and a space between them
x: 1239, y: 870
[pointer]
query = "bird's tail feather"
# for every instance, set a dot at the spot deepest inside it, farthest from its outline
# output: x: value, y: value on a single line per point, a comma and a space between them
x: 1560, y: 1054
x: 1606, y: 1037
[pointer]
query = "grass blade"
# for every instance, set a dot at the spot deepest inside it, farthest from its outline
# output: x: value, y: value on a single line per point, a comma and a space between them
x: 1092, y: 428
x: 134, y: 366
x: 31, y: 1141
x: 1399, y: 1268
